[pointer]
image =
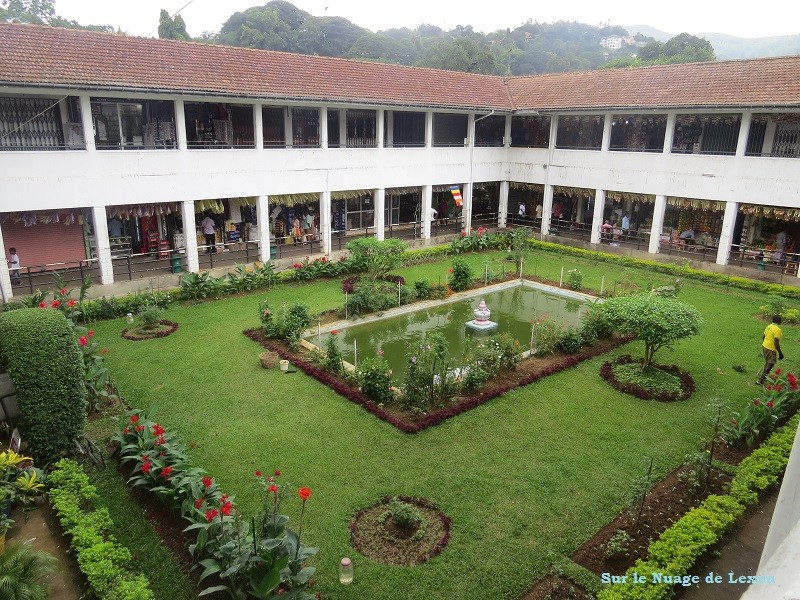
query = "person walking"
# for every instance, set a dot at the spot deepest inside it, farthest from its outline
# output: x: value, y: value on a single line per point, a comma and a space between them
x: 13, y: 266
x: 210, y: 231
x: 771, y: 347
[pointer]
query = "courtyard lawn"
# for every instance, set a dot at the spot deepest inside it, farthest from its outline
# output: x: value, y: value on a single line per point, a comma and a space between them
x: 525, y: 478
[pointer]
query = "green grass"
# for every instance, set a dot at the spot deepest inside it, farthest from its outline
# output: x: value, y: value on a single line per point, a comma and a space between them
x: 653, y: 379
x: 525, y: 478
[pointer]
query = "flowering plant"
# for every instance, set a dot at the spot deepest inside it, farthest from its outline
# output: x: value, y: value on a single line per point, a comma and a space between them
x: 779, y: 400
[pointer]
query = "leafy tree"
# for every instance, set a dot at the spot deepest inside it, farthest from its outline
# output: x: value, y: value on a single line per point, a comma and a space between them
x: 33, y: 12
x: 171, y: 29
x: 689, y: 47
x: 659, y: 322
x: 376, y: 257
x: 382, y: 48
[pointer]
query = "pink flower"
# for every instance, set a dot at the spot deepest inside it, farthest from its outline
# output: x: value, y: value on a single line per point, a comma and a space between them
x: 83, y: 340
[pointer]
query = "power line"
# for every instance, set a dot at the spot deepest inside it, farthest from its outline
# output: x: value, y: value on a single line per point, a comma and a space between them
x: 175, y: 14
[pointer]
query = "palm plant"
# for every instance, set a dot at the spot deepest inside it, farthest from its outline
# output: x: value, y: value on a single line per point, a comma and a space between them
x: 22, y: 572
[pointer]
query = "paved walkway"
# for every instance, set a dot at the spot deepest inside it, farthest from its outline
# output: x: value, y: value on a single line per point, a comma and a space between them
x: 43, y: 532
x: 740, y: 555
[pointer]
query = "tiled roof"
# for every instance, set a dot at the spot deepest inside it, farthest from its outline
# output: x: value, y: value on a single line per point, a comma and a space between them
x: 65, y: 57
x: 739, y: 83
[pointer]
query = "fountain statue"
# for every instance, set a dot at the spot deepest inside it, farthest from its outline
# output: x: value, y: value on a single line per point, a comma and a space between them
x: 481, y: 322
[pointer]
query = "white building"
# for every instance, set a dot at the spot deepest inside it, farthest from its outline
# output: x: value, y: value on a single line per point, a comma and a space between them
x: 266, y: 141
x: 612, y: 42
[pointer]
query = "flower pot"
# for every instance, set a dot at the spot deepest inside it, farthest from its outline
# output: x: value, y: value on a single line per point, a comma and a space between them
x: 284, y: 365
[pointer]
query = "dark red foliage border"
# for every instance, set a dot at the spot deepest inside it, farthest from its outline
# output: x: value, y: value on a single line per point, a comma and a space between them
x: 433, y: 418
x: 421, y: 502
x: 687, y: 382
x: 173, y: 326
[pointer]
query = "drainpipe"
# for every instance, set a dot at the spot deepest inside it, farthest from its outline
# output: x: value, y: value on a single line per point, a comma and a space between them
x: 468, y: 219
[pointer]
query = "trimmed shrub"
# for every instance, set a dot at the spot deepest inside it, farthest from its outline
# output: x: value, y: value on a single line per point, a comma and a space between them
x: 46, y: 365
x: 461, y: 277
x: 105, y: 563
x: 569, y: 341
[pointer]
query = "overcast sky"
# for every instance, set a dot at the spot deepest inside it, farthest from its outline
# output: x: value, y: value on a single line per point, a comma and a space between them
x: 140, y: 17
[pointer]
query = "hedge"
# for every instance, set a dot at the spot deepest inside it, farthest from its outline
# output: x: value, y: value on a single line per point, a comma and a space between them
x: 100, y: 557
x: 46, y: 365
x: 675, y: 552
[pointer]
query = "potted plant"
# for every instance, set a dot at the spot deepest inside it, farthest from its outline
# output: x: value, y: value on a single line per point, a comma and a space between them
x: 19, y: 480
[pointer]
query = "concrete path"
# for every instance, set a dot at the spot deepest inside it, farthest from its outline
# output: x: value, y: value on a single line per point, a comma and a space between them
x: 740, y: 556
x: 44, y: 533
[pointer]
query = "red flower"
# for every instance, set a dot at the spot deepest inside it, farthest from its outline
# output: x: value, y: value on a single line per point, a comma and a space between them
x: 297, y: 266
x: 334, y: 332
x: 258, y: 473
x: 207, y: 481
x: 225, y: 509
x: 277, y: 472
x: 55, y: 304
x: 211, y: 514
x: 140, y: 428
x: 161, y: 441
x: 166, y: 472
x: 62, y: 291
x: 756, y: 402
x: 198, y: 504
x: 778, y: 372
x: 158, y: 429
x: 770, y: 405
x: 450, y: 270
x: 734, y: 422
x: 83, y: 340
x: 768, y: 387
x: 778, y: 388
x: 126, y: 431
x: 42, y: 304
x: 792, y: 381
x: 90, y: 333
x: 134, y: 418
x: 71, y: 303
x: 273, y: 488
x: 146, y: 466
x: 223, y: 499
x: 304, y: 493
x: 270, y: 478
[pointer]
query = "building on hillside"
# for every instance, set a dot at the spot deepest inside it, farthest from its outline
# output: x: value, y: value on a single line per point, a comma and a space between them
x: 612, y: 42
x: 125, y: 158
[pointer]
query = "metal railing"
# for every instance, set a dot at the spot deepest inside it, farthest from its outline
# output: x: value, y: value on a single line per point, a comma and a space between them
x: 765, y: 261
x: 34, y: 277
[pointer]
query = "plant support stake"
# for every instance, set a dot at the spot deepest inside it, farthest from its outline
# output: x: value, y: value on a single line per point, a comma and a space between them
x: 602, y: 284
x: 355, y: 354
x: 561, y: 279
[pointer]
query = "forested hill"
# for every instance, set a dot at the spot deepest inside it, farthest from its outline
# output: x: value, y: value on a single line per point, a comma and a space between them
x: 531, y: 48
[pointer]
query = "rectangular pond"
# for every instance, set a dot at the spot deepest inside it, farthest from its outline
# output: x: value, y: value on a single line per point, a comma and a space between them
x: 514, y: 306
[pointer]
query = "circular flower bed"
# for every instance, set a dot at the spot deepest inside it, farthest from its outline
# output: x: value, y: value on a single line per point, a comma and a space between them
x: 374, y: 534
x: 684, y: 386
x: 163, y: 329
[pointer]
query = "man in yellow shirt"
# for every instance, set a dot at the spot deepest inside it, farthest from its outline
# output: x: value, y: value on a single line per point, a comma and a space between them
x: 771, y: 346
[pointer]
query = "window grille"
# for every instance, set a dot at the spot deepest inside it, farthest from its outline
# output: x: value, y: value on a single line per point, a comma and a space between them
x: 30, y: 124
x: 530, y: 131
x: 584, y: 132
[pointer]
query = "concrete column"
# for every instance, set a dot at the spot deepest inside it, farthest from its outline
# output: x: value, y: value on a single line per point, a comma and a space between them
x: 547, y: 209
x: 258, y: 125
x: 323, y: 129
x: 87, y: 121
x: 507, y: 133
x: 579, y: 213
x: 180, y: 125
x: 726, y: 235
x: 502, y: 205
x: 669, y: 134
x: 379, y: 120
x: 262, y: 217
x: 343, y: 128
x: 427, y: 201
x: 659, y: 209
x: 429, y: 129
x: 5, y: 277
x: 380, y: 213
x: 466, y: 226
x: 741, y: 143
x: 390, y: 128
x: 597, y: 215
x: 190, y: 235
x: 325, y: 220
x: 606, y: 143
x: 288, y: 135
x: 102, y: 244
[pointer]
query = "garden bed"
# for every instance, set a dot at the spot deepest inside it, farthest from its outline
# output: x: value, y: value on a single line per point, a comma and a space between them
x: 527, y: 372
x: 163, y: 329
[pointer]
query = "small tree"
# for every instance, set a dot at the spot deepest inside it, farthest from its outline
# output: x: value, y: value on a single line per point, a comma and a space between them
x: 376, y: 257
x: 658, y: 322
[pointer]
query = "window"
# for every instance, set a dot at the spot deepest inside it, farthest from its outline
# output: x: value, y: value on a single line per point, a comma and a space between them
x: 34, y: 124
x: 638, y: 133
x: 449, y: 129
x: 706, y: 134
x: 490, y: 131
x: 776, y: 135
x: 408, y: 129
x: 274, y: 127
x: 305, y: 127
x: 583, y: 132
x: 361, y: 128
x: 334, y: 139
x: 141, y: 124
x: 530, y: 132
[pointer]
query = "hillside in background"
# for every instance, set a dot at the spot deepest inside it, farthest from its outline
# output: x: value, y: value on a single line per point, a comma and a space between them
x: 728, y: 47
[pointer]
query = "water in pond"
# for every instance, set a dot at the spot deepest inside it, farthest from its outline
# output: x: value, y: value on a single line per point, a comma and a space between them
x: 513, y: 309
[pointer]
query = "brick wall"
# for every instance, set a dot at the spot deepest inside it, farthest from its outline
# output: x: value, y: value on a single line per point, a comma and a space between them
x: 44, y: 244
